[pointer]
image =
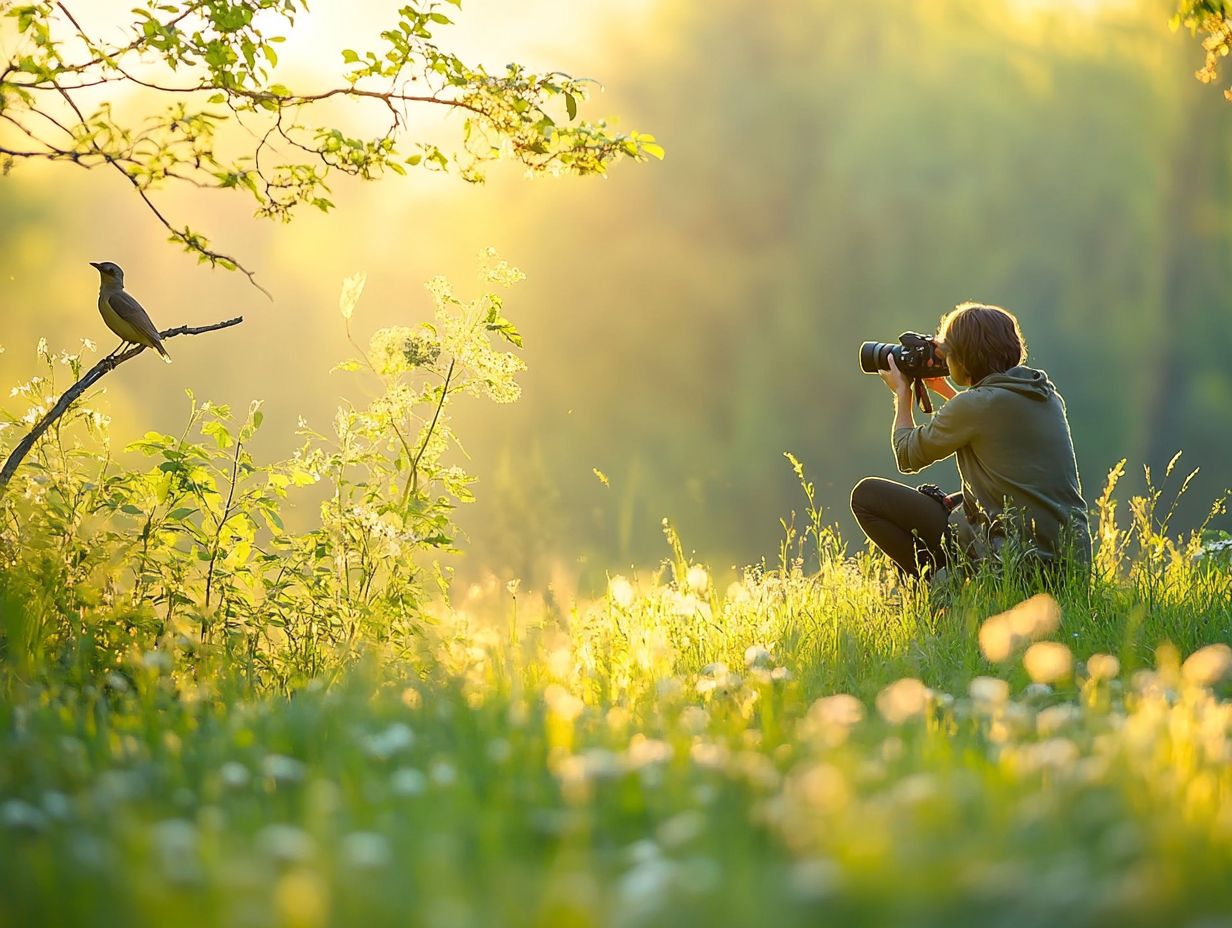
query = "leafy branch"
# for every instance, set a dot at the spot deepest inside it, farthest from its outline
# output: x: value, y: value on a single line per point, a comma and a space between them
x: 1214, y: 19
x: 91, y: 377
x: 217, y: 68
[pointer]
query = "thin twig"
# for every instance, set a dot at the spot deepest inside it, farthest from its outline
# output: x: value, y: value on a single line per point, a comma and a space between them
x: 412, y: 483
x: 92, y: 376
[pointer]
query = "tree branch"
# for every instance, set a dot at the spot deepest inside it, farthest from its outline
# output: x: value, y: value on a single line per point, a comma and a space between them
x: 92, y: 376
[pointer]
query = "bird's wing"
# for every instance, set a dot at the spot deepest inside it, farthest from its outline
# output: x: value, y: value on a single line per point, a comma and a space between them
x: 131, y: 312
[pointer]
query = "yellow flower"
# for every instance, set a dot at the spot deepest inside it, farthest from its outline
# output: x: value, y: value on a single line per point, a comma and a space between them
x: 1048, y: 661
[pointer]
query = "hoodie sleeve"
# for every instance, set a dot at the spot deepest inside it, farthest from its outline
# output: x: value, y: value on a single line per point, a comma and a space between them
x: 950, y: 428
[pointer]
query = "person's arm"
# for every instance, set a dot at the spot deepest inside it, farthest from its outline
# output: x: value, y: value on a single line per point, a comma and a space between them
x: 941, y: 387
x: 917, y: 447
x: 952, y: 427
x: 900, y: 386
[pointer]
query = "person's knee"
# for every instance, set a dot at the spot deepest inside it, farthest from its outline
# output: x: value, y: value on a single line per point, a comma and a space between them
x: 864, y: 495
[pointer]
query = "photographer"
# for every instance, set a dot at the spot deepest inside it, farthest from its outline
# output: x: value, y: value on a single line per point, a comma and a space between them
x: 1009, y: 432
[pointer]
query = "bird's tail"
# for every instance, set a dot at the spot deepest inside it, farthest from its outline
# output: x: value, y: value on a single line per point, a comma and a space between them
x: 163, y: 351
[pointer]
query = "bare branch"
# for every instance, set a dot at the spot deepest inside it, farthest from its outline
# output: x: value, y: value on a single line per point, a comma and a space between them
x: 91, y: 377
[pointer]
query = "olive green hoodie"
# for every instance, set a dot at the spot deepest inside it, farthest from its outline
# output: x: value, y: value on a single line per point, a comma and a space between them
x: 1015, y: 456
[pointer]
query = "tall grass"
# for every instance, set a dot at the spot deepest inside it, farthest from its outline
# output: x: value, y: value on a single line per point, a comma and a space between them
x: 815, y: 742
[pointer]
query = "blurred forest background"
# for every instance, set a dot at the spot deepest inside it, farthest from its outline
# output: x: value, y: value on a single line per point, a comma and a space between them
x: 835, y: 172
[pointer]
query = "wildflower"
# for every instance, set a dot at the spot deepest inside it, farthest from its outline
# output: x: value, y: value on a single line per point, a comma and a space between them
x: 302, y: 898
x: 710, y: 755
x: 840, y: 709
x: 621, y: 591
x: 643, y: 888
x: 176, y: 841
x: 815, y: 878
x: 694, y: 719
x: 1103, y: 667
x: 697, y: 579
x: 283, y: 770
x: 397, y: 349
x: 286, y: 844
x: 716, y: 678
x: 499, y: 750
x: 443, y: 773
x: 988, y: 692
x: 234, y: 775
x: 1208, y: 665
x: 21, y: 816
x: 156, y: 660
x: 57, y: 805
x: 1030, y: 620
x: 831, y: 718
x: 738, y: 594
x: 365, y: 850
x: 1048, y: 661
x: 756, y: 656
x: 385, y: 744
x: 407, y: 781
x: 1053, y: 719
x: 669, y: 688
x: 903, y: 700
x: 644, y: 751
x: 680, y: 829
x: 822, y: 787
x: 562, y: 704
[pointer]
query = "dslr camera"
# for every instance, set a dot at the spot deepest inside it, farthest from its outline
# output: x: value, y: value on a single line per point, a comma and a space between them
x: 916, y: 355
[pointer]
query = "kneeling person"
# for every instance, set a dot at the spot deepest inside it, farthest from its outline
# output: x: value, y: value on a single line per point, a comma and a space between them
x: 1009, y: 432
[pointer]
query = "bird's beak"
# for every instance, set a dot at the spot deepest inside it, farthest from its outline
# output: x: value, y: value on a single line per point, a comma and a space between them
x: 96, y: 265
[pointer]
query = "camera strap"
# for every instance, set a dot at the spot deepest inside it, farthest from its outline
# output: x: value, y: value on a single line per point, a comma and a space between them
x: 921, y: 395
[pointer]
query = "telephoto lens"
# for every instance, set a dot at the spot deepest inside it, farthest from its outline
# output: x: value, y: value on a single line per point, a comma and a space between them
x: 873, y: 356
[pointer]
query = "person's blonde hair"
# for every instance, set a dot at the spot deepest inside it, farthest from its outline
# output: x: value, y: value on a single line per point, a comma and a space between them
x: 982, y: 339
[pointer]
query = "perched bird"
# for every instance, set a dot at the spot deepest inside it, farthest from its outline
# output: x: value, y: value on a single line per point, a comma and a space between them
x: 122, y: 313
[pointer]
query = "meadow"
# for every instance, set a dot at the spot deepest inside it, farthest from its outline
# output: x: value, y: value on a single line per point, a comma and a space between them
x: 814, y: 742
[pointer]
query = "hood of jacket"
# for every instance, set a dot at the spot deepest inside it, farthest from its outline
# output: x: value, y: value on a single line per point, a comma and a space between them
x: 1023, y: 380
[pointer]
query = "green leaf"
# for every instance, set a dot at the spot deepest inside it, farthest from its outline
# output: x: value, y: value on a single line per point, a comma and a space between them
x: 352, y: 287
x: 571, y: 105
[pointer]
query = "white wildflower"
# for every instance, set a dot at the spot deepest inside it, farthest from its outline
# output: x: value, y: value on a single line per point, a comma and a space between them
x: 407, y: 781
x: 365, y: 850
x: 1103, y: 667
x: 621, y: 591
x: 1048, y: 661
x: 1208, y: 665
x: 286, y: 844
x: 1002, y: 634
x: 902, y: 700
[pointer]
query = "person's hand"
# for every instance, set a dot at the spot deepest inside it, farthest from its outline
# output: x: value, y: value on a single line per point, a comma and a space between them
x: 894, y: 379
x: 941, y: 387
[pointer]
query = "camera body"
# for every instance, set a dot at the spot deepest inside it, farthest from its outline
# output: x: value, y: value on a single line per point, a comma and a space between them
x: 916, y: 355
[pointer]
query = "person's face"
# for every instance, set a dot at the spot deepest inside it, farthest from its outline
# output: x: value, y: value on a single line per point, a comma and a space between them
x: 957, y: 374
